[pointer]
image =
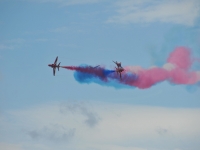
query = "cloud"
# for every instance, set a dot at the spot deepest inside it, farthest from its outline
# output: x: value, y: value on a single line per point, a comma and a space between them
x: 124, y: 127
x: 145, y: 11
x: 161, y: 131
x: 8, y: 146
x: 92, y: 118
x: 55, y: 133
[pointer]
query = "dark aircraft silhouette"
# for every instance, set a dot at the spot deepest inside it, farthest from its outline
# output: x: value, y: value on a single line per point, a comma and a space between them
x: 96, y: 66
x: 117, y: 63
x: 54, y: 66
x: 119, y: 70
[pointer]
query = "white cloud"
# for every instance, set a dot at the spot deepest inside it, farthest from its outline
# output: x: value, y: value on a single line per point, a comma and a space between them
x: 92, y: 119
x: 144, y: 11
x: 54, y: 133
x: 121, y: 126
x: 7, y: 146
x: 169, y: 66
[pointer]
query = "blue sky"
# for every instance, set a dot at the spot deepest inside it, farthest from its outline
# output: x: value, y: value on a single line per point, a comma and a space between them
x: 40, y: 111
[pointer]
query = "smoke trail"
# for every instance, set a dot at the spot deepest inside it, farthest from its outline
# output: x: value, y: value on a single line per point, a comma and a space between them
x: 176, y: 71
x: 99, y: 75
x: 85, y: 72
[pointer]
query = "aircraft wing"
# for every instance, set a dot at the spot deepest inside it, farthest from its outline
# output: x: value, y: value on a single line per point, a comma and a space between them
x: 54, y: 71
x: 56, y: 60
x: 96, y: 66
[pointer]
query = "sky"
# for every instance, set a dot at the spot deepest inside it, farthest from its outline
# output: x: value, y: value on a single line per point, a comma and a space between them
x: 45, y: 112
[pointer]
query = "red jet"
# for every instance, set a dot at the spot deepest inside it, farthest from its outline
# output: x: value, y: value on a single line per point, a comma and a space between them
x: 119, y: 68
x: 118, y: 64
x: 54, y: 66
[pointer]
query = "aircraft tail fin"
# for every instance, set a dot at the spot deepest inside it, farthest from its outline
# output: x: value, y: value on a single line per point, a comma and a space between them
x: 58, y: 66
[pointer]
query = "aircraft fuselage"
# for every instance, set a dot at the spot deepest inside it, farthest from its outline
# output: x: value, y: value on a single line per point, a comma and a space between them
x: 53, y: 65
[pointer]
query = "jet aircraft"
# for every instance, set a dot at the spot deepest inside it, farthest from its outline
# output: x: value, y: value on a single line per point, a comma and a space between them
x: 117, y: 63
x: 54, y: 66
x: 119, y: 70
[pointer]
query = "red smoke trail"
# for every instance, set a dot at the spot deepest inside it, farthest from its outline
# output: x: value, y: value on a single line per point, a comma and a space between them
x: 98, y: 72
x: 176, y: 71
